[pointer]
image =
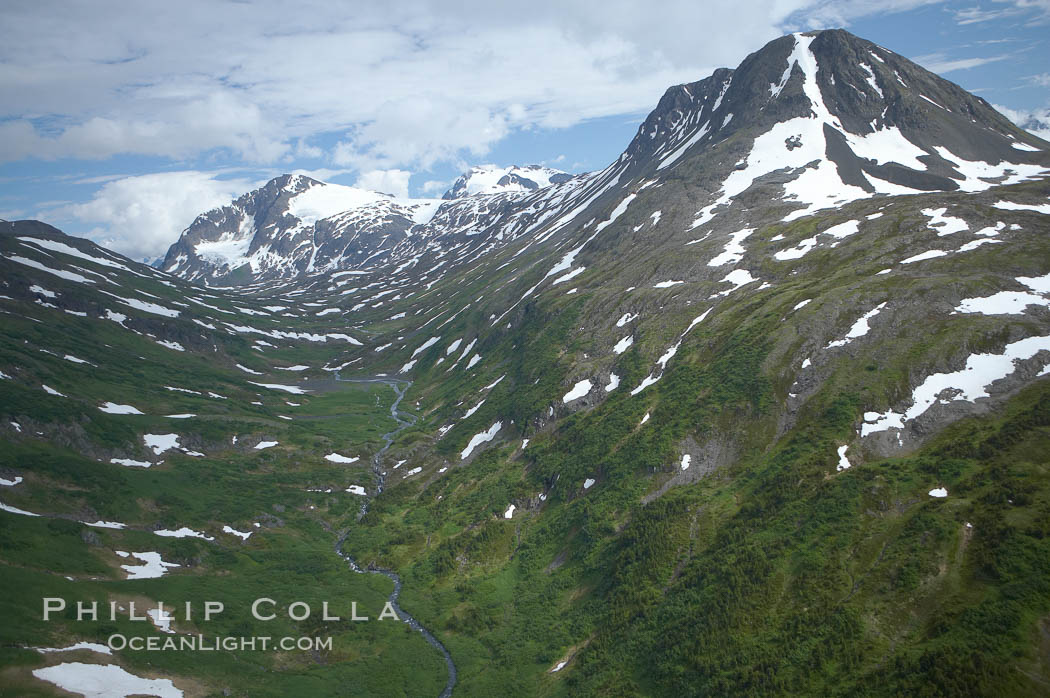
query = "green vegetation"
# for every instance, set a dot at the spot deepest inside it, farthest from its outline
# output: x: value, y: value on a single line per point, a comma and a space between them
x: 762, y: 570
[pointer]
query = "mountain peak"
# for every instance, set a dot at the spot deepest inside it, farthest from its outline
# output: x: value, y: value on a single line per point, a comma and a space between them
x: 293, y: 182
x: 288, y: 226
x: 839, y: 118
x: 493, y: 179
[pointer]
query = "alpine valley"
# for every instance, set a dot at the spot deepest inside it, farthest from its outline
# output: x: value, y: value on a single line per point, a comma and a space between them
x: 761, y: 408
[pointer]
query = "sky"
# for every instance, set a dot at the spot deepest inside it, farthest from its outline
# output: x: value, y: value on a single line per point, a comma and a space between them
x: 121, y: 121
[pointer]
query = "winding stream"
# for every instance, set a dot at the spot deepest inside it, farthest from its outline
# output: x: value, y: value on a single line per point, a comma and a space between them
x: 404, y: 420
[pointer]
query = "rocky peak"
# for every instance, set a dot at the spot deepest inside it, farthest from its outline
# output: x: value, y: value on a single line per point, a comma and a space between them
x: 493, y: 179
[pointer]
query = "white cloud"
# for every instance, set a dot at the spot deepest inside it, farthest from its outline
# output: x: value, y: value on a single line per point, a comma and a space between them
x: 1036, y: 122
x: 386, y: 181
x: 434, y: 187
x: 1041, y: 6
x: 941, y: 64
x: 1037, y: 11
x: 141, y: 216
x: 12, y: 214
x: 322, y: 174
x: 973, y: 15
x: 215, y: 120
x: 402, y: 85
x: 305, y: 150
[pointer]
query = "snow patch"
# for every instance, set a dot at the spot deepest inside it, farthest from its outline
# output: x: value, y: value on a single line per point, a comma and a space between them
x: 929, y: 254
x: 16, y: 510
x: 183, y: 532
x: 91, y: 646
x: 967, y: 384
x: 733, y: 251
x: 1002, y: 303
x: 114, y: 408
x: 579, y: 390
x: 152, y: 568
x: 104, y: 681
x: 128, y: 462
x: 478, y: 439
x: 293, y: 389
x: 844, y: 463
x: 336, y: 458
x: 859, y: 328
x: 945, y: 225
x: 737, y: 277
x: 243, y: 535
x: 161, y: 442
x: 625, y: 318
x: 1011, y: 206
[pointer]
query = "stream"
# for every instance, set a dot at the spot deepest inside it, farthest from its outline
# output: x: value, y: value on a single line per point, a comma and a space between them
x: 404, y: 420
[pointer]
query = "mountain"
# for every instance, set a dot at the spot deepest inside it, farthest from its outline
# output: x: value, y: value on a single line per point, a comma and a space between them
x: 295, y: 225
x: 760, y: 408
x: 837, y: 119
x: 1037, y: 123
x: 288, y: 227
x: 492, y: 179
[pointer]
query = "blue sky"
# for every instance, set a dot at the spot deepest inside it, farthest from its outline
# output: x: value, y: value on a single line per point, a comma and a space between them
x: 122, y: 121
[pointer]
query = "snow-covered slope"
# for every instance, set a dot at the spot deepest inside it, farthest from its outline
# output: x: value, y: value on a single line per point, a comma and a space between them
x: 492, y: 179
x: 837, y: 118
x: 294, y: 224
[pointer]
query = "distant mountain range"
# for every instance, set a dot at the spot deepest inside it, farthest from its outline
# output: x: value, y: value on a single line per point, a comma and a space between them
x: 832, y: 117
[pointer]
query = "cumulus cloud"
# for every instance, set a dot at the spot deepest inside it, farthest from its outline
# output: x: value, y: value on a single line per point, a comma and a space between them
x: 216, y: 120
x: 386, y: 181
x: 1035, y: 121
x: 141, y: 216
x: 436, y: 187
x: 401, y: 85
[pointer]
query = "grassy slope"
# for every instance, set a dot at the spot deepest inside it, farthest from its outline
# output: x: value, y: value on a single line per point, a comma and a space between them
x: 776, y: 575
x: 290, y: 558
x: 771, y: 575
